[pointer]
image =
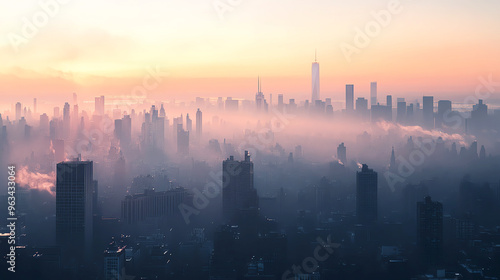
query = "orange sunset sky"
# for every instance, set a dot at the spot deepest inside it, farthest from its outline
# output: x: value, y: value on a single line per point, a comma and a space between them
x: 106, y: 48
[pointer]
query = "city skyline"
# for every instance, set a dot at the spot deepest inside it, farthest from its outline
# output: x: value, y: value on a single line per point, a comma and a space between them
x: 234, y: 49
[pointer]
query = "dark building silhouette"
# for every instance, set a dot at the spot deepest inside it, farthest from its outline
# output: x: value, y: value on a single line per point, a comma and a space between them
x: 349, y: 98
x: 199, y: 124
x: 238, y: 192
x: 366, y: 195
x: 428, y: 112
x: 342, y: 153
x: 430, y: 231
x: 74, y: 197
x: 137, y: 208
x: 182, y: 140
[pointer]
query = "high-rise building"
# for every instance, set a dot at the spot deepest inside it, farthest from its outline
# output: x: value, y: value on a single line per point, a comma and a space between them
x: 18, y: 111
x: 182, y: 140
x: 443, y: 114
x: 114, y: 262
x: 189, y: 123
x: 362, y: 107
x: 260, y: 99
x: 366, y: 195
x: 199, y: 124
x: 373, y: 93
x: 99, y: 105
x: 238, y: 191
x: 315, y: 80
x: 349, y: 98
x: 401, y: 112
x: 342, y: 153
x: 428, y: 112
x: 74, y: 195
x: 34, y: 105
x: 151, y: 204
x: 430, y: 230
x: 126, y: 132
x: 280, y: 102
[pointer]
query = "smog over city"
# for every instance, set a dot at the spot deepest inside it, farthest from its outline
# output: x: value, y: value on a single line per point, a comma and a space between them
x: 225, y: 139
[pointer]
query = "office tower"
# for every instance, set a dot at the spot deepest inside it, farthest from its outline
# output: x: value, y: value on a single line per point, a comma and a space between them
x: 428, y: 112
x: 443, y: 114
x: 114, y: 262
x: 99, y: 105
x: 66, y: 120
x: 182, y: 140
x: 118, y: 129
x: 44, y: 124
x: 151, y: 204
x: 280, y: 102
x: 380, y: 112
x: 366, y: 195
x: 362, y: 107
x: 342, y: 153
x: 34, y: 105
x: 373, y: 93
x: 259, y: 97
x: 18, y: 111
x: 189, y: 123
x: 56, y: 112
x: 389, y: 102
x: 199, y: 124
x: 478, y: 119
x: 409, y: 114
x: 349, y: 98
x: 401, y: 112
x: 74, y: 189
x: 75, y: 117
x: 126, y: 130
x: 232, y: 105
x: 162, y: 112
x: 315, y: 80
x: 392, y: 165
x: 430, y: 230
x: 238, y: 192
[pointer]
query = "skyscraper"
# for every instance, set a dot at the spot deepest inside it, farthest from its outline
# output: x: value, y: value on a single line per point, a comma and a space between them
x: 315, y: 80
x: 260, y: 99
x: 373, y: 93
x: 238, y: 192
x: 182, y: 140
x: 401, y: 112
x: 189, y: 123
x: 349, y: 98
x: 444, y: 109
x: 74, y: 188
x: 428, y: 112
x: 199, y: 124
x: 362, y: 107
x: 18, y: 111
x: 430, y: 230
x: 342, y: 153
x: 366, y: 195
x: 99, y: 105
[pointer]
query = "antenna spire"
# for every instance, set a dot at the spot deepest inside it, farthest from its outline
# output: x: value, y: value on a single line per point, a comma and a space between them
x: 258, y: 84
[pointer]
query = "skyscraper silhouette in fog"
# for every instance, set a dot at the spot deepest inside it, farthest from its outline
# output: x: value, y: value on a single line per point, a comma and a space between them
x: 366, y: 195
x: 430, y: 231
x: 238, y: 192
x: 74, y: 189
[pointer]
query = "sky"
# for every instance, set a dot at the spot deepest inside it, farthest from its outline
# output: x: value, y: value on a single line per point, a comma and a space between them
x: 51, y: 49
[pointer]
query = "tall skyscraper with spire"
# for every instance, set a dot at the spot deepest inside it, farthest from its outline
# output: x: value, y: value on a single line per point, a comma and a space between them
x: 260, y: 100
x: 315, y: 80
